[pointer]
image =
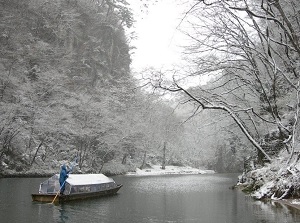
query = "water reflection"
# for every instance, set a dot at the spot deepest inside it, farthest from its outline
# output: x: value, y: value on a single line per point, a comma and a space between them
x: 63, y: 214
x: 180, y: 199
x: 272, y: 211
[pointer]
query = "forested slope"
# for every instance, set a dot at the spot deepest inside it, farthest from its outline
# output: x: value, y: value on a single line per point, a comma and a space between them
x: 66, y: 89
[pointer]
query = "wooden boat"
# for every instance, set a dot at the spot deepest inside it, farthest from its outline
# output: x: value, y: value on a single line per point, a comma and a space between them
x: 77, y: 186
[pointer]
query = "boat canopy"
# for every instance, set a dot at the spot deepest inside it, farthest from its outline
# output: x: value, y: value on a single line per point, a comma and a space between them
x: 88, y: 179
x: 51, y: 185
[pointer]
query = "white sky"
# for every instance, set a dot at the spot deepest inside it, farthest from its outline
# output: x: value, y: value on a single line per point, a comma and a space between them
x: 158, y: 41
x: 159, y: 44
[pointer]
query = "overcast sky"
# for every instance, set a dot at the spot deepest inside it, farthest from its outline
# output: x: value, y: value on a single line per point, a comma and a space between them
x: 158, y: 42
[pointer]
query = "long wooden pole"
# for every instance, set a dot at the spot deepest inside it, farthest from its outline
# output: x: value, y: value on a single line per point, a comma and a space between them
x: 73, y: 164
x: 58, y: 192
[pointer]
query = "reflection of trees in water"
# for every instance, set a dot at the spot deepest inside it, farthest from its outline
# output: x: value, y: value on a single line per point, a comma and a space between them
x: 62, y: 214
x: 287, y: 210
x: 272, y: 211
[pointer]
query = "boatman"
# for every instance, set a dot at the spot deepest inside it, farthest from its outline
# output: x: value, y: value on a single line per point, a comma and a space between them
x: 64, y: 174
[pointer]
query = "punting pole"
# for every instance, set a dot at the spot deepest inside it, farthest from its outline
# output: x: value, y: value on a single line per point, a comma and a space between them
x: 73, y: 164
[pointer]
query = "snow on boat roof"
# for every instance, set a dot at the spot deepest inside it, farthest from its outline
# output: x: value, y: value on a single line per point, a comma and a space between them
x: 87, y: 179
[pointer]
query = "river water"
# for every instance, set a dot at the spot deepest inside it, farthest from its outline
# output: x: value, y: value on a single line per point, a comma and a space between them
x: 154, y: 199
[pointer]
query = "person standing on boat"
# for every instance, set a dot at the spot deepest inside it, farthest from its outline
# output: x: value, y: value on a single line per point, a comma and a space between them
x: 63, y: 177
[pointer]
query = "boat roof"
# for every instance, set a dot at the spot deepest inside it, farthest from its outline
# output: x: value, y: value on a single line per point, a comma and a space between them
x: 87, y: 179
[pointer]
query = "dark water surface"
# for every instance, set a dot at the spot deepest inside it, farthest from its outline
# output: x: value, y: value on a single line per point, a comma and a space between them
x: 183, y: 199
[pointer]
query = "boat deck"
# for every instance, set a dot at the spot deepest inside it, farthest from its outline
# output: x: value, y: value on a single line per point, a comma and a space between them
x: 48, y: 198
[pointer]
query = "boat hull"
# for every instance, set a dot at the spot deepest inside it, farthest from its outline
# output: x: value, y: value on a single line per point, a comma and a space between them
x: 48, y: 198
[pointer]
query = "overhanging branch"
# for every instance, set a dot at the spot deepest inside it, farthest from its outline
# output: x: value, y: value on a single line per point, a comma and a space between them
x: 226, y: 109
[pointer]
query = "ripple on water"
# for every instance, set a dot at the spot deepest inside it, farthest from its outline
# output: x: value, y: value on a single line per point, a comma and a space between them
x: 153, y: 199
x: 179, y: 183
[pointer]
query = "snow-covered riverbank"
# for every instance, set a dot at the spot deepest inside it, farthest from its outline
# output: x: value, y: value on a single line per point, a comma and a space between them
x: 157, y: 170
x: 277, y: 181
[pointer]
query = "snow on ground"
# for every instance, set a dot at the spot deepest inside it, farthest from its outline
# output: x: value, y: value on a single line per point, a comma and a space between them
x: 156, y: 170
x: 277, y: 180
x: 296, y: 201
x: 265, y: 191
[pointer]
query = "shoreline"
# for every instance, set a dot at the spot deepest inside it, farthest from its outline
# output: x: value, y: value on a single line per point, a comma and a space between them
x: 150, y: 171
x: 46, y: 175
x: 156, y: 170
x: 294, y: 203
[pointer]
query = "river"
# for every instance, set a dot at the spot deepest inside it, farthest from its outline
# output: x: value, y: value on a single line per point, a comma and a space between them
x: 155, y: 199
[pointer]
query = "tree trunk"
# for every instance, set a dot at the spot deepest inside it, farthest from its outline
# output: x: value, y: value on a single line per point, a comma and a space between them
x: 144, y: 160
x: 101, y: 166
x: 124, y: 160
x: 37, y: 150
x: 163, y: 166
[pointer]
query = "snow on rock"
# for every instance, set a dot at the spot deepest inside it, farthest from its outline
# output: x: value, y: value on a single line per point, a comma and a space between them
x: 264, y: 191
x: 276, y: 181
x: 297, y: 202
x: 157, y: 170
x: 4, y: 164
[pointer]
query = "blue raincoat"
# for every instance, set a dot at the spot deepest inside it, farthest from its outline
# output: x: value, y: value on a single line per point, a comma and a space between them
x: 62, y: 177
